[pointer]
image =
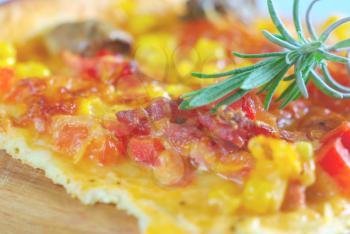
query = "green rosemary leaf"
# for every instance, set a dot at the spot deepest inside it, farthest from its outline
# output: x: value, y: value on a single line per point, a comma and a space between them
x: 310, y: 48
x: 264, y: 74
x: 191, y: 94
x: 217, y: 91
x: 265, y: 55
x: 231, y: 99
x: 272, y: 88
x: 331, y: 81
x: 278, y: 23
x: 304, y: 54
x: 300, y: 80
x: 291, y: 57
x: 278, y: 41
x: 309, y: 25
x: 264, y: 88
x: 332, y: 57
x: 324, y: 87
x: 288, y: 97
x: 297, y: 22
x: 341, y: 45
x: 185, y: 105
x: 235, y: 71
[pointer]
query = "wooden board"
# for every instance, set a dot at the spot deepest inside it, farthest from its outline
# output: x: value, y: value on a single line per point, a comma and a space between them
x: 31, y: 203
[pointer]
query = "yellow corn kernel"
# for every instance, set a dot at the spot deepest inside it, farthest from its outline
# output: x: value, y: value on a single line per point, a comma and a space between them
x: 32, y: 70
x: 208, y: 50
x: 185, y: 67
x: 154, y: 90
x: 153, y: 54
x: 176, y: 90
x: 92, y: 106
x: 307, y: 176
x: 277, y: 162
x: 340, y: 33
x: 142, y: 23
x: 7, y: 54
x: 278, y: 153
x: 225, y: 197
x: 264, y: 192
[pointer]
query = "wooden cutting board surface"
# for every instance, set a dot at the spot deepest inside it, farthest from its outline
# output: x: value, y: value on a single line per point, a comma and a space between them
x: 31, y: 203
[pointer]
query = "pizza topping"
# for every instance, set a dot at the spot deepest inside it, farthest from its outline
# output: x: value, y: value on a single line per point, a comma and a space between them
x: 87, y: 38
x: 272, y: 156
x: 145, y: 151
x: 135, y: 120
x: 105, y: 150
x: 7, y: 76
x: 7, y: 54
x: 171, y: 168
x: 295, y: 197
x: 334, y: 156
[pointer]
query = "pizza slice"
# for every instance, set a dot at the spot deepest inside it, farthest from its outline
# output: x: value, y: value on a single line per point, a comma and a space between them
x: 97, y: 109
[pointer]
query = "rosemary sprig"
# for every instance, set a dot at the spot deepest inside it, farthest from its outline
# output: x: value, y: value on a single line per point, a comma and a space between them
x: 303, y: 54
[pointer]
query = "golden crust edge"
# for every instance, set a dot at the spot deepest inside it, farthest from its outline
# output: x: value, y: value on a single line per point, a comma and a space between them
x: 43, y: 159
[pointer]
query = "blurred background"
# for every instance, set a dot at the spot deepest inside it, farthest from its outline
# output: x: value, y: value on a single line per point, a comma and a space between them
x: 323, y: 9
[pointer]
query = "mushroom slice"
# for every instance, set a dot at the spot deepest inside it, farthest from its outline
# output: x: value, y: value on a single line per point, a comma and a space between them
x: 87, y: 38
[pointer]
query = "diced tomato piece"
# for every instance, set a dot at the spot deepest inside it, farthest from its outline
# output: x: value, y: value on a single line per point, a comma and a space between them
x: 343, y: 129
x: 334, y: 155
x: 6, y: 79
x: 334, y: 158
x: 118, y: 129
x: 106, y: 150
x: 145, y: 150
x: 72, y: 136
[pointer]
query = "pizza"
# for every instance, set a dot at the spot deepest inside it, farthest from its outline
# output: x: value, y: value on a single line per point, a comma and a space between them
x: 91, y: 93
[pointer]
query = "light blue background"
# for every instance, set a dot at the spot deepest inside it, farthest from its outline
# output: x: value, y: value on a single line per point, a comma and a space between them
x: 322, y: 9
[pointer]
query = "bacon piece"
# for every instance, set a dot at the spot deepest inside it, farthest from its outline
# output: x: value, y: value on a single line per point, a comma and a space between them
x: 159, y: 109
x: 136, y: 121
x: 294, y: 197
x: 223, y: 131
x: 180, y: 135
